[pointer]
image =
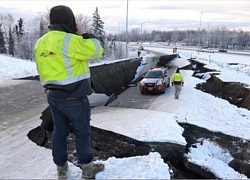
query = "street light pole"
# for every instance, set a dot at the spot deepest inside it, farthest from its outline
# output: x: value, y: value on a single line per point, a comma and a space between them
x: 200, y: 32
x: 141, y: 28
x: 127, y: 31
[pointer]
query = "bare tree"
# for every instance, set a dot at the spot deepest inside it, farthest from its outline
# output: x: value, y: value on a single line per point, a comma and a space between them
x: 6, y: 22
x: 84, y: 21
x: 134, y: 35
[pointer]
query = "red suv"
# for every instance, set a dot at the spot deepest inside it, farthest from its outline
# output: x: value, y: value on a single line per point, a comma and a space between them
x: 155, y: 80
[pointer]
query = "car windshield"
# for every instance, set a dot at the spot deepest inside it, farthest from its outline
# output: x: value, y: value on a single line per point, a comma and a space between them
x: 153, y: 74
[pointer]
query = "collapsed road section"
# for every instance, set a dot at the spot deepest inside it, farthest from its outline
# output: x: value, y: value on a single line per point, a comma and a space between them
x: 235, y: 93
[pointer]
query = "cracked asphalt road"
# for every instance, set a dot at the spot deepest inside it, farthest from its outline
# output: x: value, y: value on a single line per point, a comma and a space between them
x: 20, y: 100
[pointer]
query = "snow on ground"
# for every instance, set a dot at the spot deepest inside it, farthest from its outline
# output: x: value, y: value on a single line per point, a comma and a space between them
x: 204, y: 110
x: 215, y: 159
x: 143, y: 167
x: 21, y: 158
x: 15, y: 68
x: 129, y: 123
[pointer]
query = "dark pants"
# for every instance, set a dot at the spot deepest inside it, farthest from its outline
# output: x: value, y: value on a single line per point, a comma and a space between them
x: 74, y: 112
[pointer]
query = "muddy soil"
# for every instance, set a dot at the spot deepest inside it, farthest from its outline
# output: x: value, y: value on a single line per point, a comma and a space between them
x: 234, y: 93
x: 238, y: 148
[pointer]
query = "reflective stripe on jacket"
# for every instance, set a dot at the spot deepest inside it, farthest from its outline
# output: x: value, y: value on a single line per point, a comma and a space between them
x: 62, y: 58
x: 177, y: 79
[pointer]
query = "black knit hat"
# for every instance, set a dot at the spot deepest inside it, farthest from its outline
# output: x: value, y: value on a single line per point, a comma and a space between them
x: 63, y: 15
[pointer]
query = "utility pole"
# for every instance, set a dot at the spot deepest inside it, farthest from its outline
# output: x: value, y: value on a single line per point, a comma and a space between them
x: 141, y: 30
x: 200, y: 33
x: 127, y: 31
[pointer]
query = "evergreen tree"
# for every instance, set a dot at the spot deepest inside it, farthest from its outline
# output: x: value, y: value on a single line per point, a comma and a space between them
x: 98, y: 26
x: 22, y: 45
x: 2, y: 43
x: 20, y: 26
x: 11, y: 43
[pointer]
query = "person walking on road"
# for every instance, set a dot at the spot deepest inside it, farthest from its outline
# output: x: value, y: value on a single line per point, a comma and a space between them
x: 177, y: 81
x: 62, y: 57
x: 139, y: 52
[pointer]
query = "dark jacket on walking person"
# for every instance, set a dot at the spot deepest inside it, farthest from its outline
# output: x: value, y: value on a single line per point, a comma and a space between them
x: 62, y: 56
x: 177, y: 81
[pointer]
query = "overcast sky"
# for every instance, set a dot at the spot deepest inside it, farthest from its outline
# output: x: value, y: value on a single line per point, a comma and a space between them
x: 148, y: 14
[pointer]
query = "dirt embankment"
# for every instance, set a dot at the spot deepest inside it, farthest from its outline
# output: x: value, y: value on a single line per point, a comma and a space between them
x: 234, y: 92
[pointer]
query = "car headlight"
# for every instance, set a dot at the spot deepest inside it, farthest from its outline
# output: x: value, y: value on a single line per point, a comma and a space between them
x: 159, y: 83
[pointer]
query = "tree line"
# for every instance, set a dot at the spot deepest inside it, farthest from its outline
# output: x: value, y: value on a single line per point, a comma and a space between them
x: 17, y: 38
x: 220, y: 37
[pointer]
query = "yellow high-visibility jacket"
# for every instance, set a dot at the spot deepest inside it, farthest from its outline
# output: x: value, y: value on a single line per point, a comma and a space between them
x: 62, y: 58
x: 177, y: 79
